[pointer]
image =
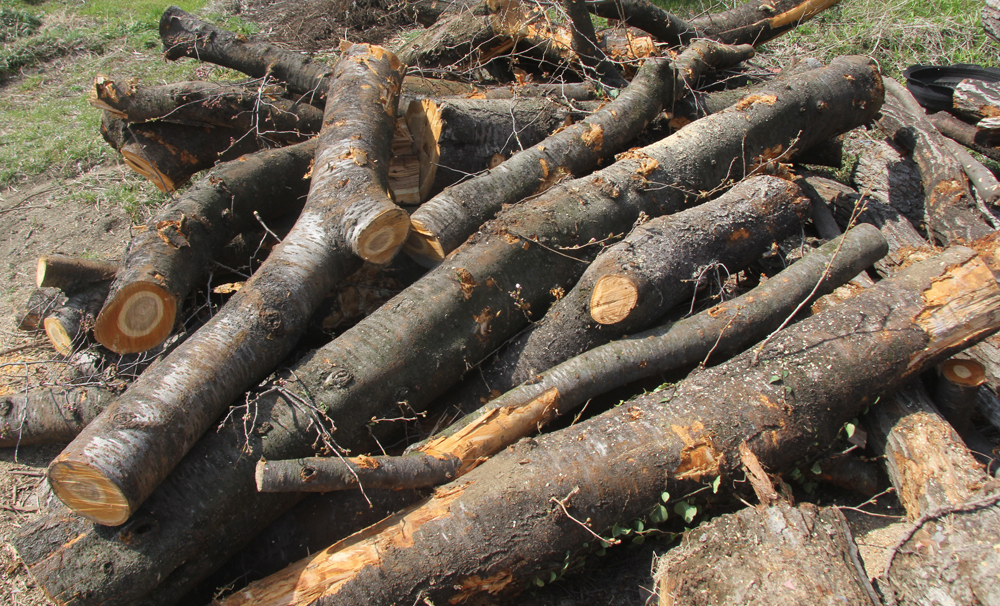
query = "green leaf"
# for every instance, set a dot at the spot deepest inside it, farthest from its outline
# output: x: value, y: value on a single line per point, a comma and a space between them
x: 816, y: 469
x: 849, y: 428
x: 639, y: 540
x: 796, y: 473
x: 773, y: 378
x: 664, y: 496
x: 686, y: 511
x: 616, y: 530
x: 552, y: 576
x: 539, y: 582
x: 639, y: 526
x: 715, y: 484
x: 784, y: 374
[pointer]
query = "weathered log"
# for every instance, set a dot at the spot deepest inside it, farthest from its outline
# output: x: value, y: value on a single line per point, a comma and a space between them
x: 586, y: 47
x: 648, y: 17
x: 982, y: 178
x: 464, y: 30
x: 574, y: 91
x: 323, y: 474
x: 29, y: 313
x: 67, y: 325
x: 120, y: 458
x: 975, y: 100
x: 71, y: 274
x: 260, y: 110
x: 383, y: 360
x: 977, y: 140
x: 988, y: 406
x: 515, y: 517
x: 957, y: 390
x: 659, y: 265
x: 757, y: 21
x: 766, y: 555
x: 49, y: 415
x: 170, y: 255
x: 949, y: 209
x: 990, y: 18
x: 444, y: 222
x: 168, y: 155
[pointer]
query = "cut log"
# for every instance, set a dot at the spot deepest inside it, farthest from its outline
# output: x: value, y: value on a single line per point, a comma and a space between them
x: 260, y: 110
x: 49, y: 415
x: 990, y: 18
x: 648, y: 17
x: 167, y: 258
x: 659, y: 265
x: 975, y: 100
x: 383, y: 360
x: 514, y: 518
x: 957, y: 390
x: 71, y: 274
x: 68, y: 325
x: 757, y: 21
x: 586, y: 47
x: 168, y: 155
x: 120, y: 458
x: 977, y: 140
x: 444, y: 222
x: 949, y: 208
x: 766, y: 555
x: 29, y: 313
x: 982, y: 178
x: 323, y: 474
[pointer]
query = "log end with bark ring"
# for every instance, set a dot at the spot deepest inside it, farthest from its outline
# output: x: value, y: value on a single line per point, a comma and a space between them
x: 968, y: 373
x: 88, y: 492
x: 613, y: 299
x: 138, y: 317
x: 59, y: 336
x: 423, y: 246
x: 381, y: 238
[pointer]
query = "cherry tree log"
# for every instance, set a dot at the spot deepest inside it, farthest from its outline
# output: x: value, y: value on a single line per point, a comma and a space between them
x: 168, y: 155
x: 975, y: 100
x: 383, y: 360
x: 982, y: 178
x: 68, y: 325
x: 957, y: 391
x: 648, y: 17
x: 757, y: 21
x: 167, y: 258
x: 514, y: 518
x: 766, y: 555
x: 260, y: 110
x: 323, y: 474
x: 30, y: 312
x: 950, y: 211
x: 980, y: 141
x: 659, y: 265
x: 71, y: 274
x: 445, y: 221
x: 586, y: 47
x: 49, y: 415
x: 120, y: 458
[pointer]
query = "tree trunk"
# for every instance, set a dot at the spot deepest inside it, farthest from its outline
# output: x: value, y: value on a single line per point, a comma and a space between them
x: 170, y: 154
x: 49, y: 415
x: 766, y: 555
x: 323, y: 474
x: 29, y: 313
x: 648, y: 17
x: 514, y: 518
x: 444, y: 222
x: 167, y: 258
x: 261, y: 110
x: 658, y: 266
x: 383, y: 360
x: 71, y: 274
x: 584, y: 41
x: 977, y: 140
x: 982, y: 178
x: 949, y: 209
x: 120, y: 458
x: 67, y: 326
x: 757, y: 21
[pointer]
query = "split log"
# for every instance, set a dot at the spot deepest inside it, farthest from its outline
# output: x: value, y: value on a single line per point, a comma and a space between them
x: 71, y: 274
x: 49, y: 415
x: 168, y: 155
x: 260, y: 110
x: 29, y: 313
x: 67, y: 326
x: 957, y: 391
x: 766, y: 555
x: 757, y: 21
x: 982, y: 178
x: 979, y: 141
x: 586, y: 47
x: 975, y: 100
x: 444, y: 222
x: 659, y: 265
x: 515, y: 517
x: 648, y: 17
x: 950, y: 211
x: 383, y: 360
x: 167, y: 258
x: 120, y: 458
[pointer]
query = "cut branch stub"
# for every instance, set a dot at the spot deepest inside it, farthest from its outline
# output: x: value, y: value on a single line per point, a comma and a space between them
x: 613, y: 298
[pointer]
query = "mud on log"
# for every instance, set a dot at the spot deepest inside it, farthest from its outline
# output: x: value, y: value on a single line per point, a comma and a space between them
x: 383, y: 360
x: 120, y: 458
x: 514, y: 518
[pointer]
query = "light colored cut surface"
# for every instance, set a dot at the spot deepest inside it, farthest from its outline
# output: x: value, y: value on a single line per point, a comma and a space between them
x: 381, y: 239
x: 88, y: 492
x: 613, y: 299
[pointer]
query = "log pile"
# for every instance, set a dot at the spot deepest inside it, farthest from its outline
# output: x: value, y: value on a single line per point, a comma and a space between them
x: 556, y: 239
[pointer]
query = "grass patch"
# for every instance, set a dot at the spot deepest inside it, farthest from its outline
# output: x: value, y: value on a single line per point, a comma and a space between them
x: 15, y: 23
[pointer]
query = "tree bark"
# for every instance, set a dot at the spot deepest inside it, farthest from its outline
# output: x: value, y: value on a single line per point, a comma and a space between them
x: 29, y: 313
x: 71, y: 274
x: 957, y: 388
x: 659, y: 265
x: 766, y: 555
x: 990, y: 18
x: 586, y: 47
x: 982, y: 178
x: 49, y: 415
x: 949, y: 210
x: 383, y: 360
x: 514, y: 518
x: 648, y: 17
x: 120, y: 458
x: 170, y: 154
x: 975, y: 100
x: 67, y: 326
x: 323, y: 474
x: 757, y: 21
x: 260, y: 110
x: 977, y: 140
x: 445, y: 221
x: 168, y: 257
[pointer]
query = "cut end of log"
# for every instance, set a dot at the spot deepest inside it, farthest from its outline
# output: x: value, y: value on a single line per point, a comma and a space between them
x: 968, y: 373
x: 60, y: 338
x: 383, y: 236
x: 135, y: 160
x: 138, y: 318
x: 88, y: 493
x: 423, y: 246
x: 613, y: 299
x: 258, y: 474
x: 424, y: 122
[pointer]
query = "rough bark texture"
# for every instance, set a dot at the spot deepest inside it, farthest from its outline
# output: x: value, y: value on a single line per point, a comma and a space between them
x: 68, y: 325
x: 170, y: 154
x: 950, y: 210
x: 982, y: 178
x: 49, y: 415
x: 71, y: 274
x: 29, y: 313
x: 766, y: 555
x: 260, y: 110
x: 323, y: 474
x: 990, y: 17
x: 966, y: 134
x: 976, y: 99
x: 659, y: 265
x: 509, y: 521
x: 114, y: 464
x: 758, y: 21
x: 173, y: 252
x: 648, y: 17
x: 445, y: 221
x: 586, y: 47
x: 383, y: 360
